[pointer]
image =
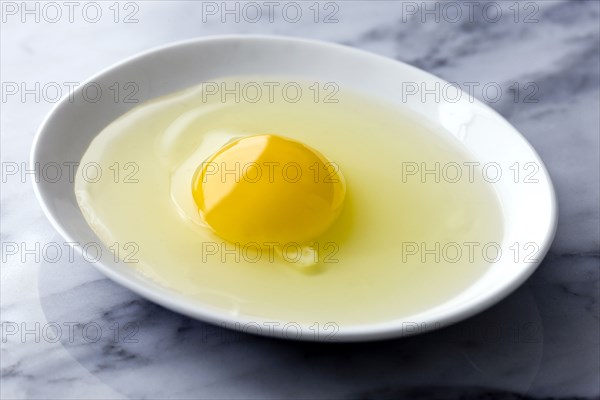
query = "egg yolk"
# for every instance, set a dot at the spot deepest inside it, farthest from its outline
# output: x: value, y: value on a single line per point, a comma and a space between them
x: 267, y: 189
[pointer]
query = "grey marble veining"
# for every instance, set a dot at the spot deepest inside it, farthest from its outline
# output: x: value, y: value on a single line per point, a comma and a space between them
x: 540, y: 342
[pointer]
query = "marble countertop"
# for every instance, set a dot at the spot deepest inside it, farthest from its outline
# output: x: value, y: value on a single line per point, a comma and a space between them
x: 69, y: 332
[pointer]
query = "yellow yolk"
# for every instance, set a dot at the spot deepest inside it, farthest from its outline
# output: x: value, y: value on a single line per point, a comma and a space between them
x: 267, y: 189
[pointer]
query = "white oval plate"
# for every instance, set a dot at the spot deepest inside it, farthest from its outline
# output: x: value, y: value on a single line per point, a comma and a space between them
x: 529, y: 208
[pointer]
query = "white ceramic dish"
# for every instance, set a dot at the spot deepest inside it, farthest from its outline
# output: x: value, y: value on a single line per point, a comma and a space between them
x: 530, y: 211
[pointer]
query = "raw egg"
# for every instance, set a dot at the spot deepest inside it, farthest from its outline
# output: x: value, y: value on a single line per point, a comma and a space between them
x: 221, y: 200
